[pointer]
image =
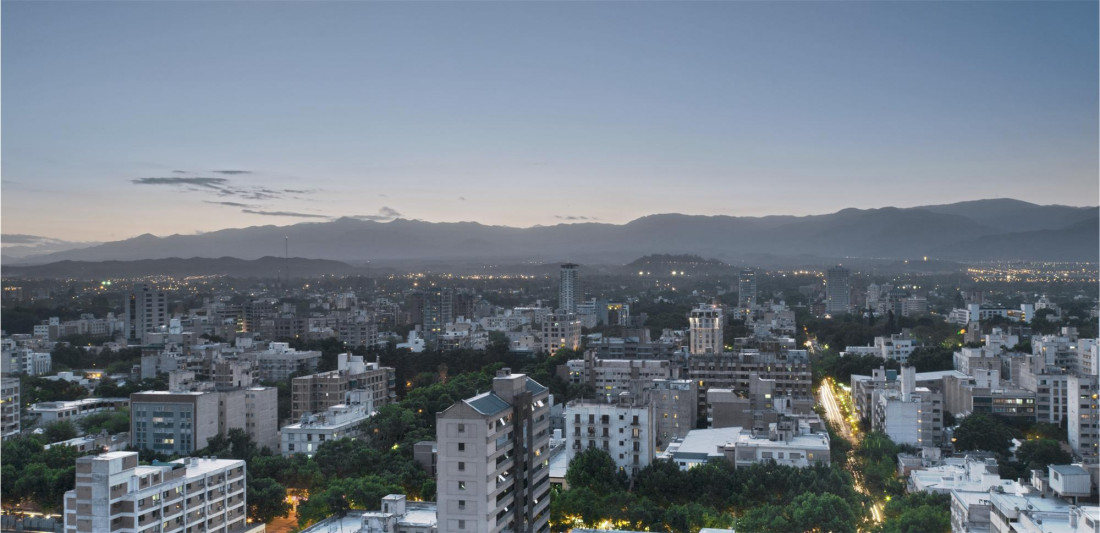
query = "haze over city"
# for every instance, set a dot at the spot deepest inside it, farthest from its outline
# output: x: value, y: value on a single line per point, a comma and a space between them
x: 128, y: 118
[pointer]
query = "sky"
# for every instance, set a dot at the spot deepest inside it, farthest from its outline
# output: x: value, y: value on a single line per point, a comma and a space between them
x: 126, y: 118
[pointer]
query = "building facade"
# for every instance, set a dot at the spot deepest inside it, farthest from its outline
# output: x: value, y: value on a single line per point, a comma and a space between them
x: 707, y: 327
x: 837, y: 290
x: 626, y: 431
x: 115, y: 494
x: 567, y: 289
x: 493, y: 459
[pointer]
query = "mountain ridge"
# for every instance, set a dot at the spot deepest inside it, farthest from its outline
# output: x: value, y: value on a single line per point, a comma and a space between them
x: 950, y: 229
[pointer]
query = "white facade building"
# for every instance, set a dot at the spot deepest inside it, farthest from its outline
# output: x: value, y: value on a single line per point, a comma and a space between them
x: 626, y: 432
x: 113, y: 493
x: 337, y: 422
x: 707, y: 326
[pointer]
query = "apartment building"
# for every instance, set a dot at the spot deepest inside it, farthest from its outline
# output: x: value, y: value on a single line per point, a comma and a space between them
x: 622, y: 428
x: 493, y: 459
x: 115, y: 494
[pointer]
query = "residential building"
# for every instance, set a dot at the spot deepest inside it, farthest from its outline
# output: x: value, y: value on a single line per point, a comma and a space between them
x: 50, y: 412
x: 984, y: 392
x: 114, y: 493
x: 560, y: 331
x: 1083, y: 417
x: 146, y: 312
x: 790, y: 370
x: 279, y: 361
x: 10, y: 405
x: 837, y: 290
x: 567, y: 289
x: 787, y: 441
x: 173, y: 422
x: 401, y: 516
x: 707, y: 323
x: 746, y: 289
x: 624, y: 429
x: 336, y: 422
x: 493, y: 459
x: 317, y: 392
x: 676, y: 407
x: 609, y: 377
x: 909, y: 414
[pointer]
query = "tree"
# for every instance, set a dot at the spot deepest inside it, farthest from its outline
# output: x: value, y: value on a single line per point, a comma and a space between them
x: 595, y: 469
x: 60, y: 431
x: 980, y: 431
x: 808, y: 512
x: 918, y: 512
x: 932, y: 358
x: 266, y: 500
x: 1037, y: 454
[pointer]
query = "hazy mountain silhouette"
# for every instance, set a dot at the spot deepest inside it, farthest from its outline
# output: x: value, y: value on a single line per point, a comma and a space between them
x: 978, y: 230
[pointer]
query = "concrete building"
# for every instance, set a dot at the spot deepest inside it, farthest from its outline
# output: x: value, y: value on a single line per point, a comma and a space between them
x: 909, y: 414
x: 181, y: 422
x: 336, y: 422
x: 837, y: 290
x: 560, y: 331
x: 317, y: 392
x: 707, y: 326
x: 279, y: 361
x: 984, y: 392
x: 401, y: 516
x: 788, y: 442
x: 609, y: 377
x: 675, y: 407
x: 758, y: 404
x: 1083, y: 417
x: 567, y: 289
x: 10, y: 405
x: 173, y: 422
x: 896, y: 347
x: 113, y: 493
x: 790, y: 370
x: 746, y: 289
x: 50, y: 412
x: 493, y: 459
x: 623, y: 429
x: 146, y: 312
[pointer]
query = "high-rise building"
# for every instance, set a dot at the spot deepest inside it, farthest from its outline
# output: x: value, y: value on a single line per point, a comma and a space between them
x: 493, y: 459
x: 146, y: 312
x: 11, y: 405
x: 114, y: 493
x: 1083, y: 418
x: 837, y: 290
x: 438, y: 311
x: 707, y: 330
x: 746, y: 289
x: 567, y: 302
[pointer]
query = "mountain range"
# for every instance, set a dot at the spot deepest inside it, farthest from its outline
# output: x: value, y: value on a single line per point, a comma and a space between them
x: 998, y: 229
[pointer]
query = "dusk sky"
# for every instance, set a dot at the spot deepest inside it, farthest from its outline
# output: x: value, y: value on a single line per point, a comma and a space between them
x: 159, y: 117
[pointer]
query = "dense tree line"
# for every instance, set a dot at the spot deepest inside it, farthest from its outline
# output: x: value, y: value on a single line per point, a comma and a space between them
x: 665, y: 498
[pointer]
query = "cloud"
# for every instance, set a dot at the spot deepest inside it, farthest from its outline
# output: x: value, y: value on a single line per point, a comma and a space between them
x: 282, y: 214
x: 383, y: 195
x: 230, y: 204
x: 211, y: 183
x: 463, y: 198
x: 384, y: 214
x: 180, y: 172
x: 574, y: 217
x: 22, y: 238
x: 231, y: 172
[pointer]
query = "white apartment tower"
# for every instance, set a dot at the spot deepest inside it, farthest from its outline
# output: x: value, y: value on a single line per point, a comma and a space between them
x: 115, y: 494
x: 567, y: 302
x: 493, y: 459
x: 146, y: 312
x: 706, y: 330
x: 837, y: 290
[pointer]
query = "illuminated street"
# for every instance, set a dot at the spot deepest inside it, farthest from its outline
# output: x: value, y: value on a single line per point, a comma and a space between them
x: 845, y: 425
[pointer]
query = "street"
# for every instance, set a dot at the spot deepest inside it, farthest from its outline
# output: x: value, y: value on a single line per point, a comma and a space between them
x: 835, y: 415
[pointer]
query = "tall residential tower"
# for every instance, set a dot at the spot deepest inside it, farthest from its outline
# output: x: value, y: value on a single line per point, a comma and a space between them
x: 837, y: 290
x: 567, y: 302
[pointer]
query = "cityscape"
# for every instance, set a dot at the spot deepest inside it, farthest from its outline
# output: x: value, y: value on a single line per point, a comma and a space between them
x: 591, y: 267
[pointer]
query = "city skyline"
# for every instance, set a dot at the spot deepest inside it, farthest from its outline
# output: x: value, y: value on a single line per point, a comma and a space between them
x: 128, y: 118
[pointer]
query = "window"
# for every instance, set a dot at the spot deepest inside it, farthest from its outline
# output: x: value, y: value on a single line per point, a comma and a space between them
x: 461, y: 466
x: 461, y: 485
x: 461, y: 524
x: 461, y: 504
x: 462, y: 428
x: 462, y: 446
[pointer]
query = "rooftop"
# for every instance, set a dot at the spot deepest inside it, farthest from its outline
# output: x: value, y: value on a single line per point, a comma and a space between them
x: 488, y: 403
